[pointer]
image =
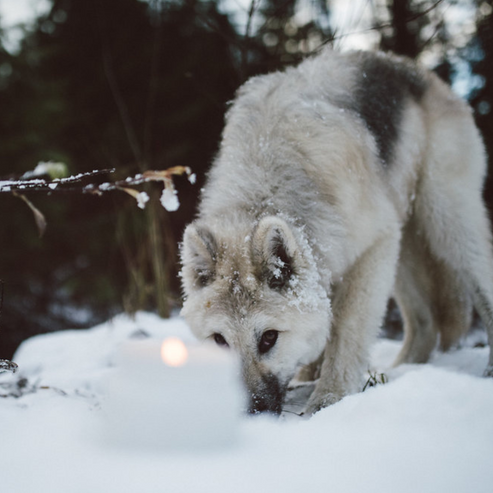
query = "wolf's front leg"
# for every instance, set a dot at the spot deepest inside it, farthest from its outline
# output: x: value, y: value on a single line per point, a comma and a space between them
x: 358, y: 306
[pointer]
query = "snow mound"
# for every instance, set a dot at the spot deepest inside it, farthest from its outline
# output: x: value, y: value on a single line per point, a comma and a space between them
x: 428, y: 430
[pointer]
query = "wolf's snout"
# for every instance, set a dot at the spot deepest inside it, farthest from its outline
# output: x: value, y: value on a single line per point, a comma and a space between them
x: 264, y: 404
x: 268, y: 397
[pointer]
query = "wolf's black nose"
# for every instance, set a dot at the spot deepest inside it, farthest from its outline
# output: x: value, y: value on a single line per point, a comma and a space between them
x: 263, y: 405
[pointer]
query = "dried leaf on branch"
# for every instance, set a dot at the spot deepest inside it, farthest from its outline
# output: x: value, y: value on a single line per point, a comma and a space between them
x: 38, y: 215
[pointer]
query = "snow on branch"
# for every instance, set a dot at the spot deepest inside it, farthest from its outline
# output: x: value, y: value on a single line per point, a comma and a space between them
x: 169, y: 197
x: 6, y: 365
x: 49, y: 178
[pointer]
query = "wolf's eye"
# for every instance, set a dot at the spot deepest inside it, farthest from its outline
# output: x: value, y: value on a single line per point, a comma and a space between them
x: 220, y: 340
x: 267, y: 341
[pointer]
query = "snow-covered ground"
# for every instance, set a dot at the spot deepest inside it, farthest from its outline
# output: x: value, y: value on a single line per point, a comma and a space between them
x: 430, y: 429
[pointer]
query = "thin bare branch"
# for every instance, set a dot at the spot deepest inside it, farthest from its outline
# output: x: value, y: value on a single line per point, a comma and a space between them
x: 50, y: 186
x: 116, y: 93
x: 153, y: 79
x: 169, y: 199
x: 378, y: 27
x: 246, y: 44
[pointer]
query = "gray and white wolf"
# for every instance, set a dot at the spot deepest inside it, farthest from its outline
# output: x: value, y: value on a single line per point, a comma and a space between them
x: 349, y: 179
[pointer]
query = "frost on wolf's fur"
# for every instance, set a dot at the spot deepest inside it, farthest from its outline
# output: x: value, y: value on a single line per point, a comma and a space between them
x: 279, y: 264
x: 310, y: 294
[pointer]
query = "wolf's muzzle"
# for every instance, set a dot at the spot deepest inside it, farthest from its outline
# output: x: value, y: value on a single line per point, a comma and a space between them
x: 269, y: 398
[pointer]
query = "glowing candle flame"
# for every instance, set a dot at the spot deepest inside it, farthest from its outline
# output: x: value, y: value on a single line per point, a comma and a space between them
x: 174, y: 352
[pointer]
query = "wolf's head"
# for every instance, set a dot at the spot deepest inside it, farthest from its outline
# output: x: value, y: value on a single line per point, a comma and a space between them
x: 257, y: 292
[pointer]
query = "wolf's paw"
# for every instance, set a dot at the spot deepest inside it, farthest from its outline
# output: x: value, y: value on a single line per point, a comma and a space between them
x: 488, y: 373
x: 319, y: 401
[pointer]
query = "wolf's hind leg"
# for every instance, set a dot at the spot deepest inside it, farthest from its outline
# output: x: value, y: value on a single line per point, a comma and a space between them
x: 469, y: 254
x: 431, y: 299
x: 420, y: 333
x: 412, y: 296
x: 450, y: 211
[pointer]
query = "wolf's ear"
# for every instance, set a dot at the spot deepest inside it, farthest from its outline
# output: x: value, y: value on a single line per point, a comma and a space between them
x: 275, y: 246
x: 198, y: 257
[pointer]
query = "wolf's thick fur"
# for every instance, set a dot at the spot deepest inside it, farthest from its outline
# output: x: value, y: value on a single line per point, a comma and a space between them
x: 338, y: 183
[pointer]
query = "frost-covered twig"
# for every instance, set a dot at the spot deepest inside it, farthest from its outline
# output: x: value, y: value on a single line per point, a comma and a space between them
x: 65, y: 185
x: 6, y: 365
x: 169, y: 198
x: 31, y: 182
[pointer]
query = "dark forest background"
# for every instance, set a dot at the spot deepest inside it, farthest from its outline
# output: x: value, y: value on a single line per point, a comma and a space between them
x: 136, y: 85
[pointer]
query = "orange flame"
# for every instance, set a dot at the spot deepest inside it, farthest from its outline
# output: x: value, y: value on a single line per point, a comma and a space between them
x: 174, y: 352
